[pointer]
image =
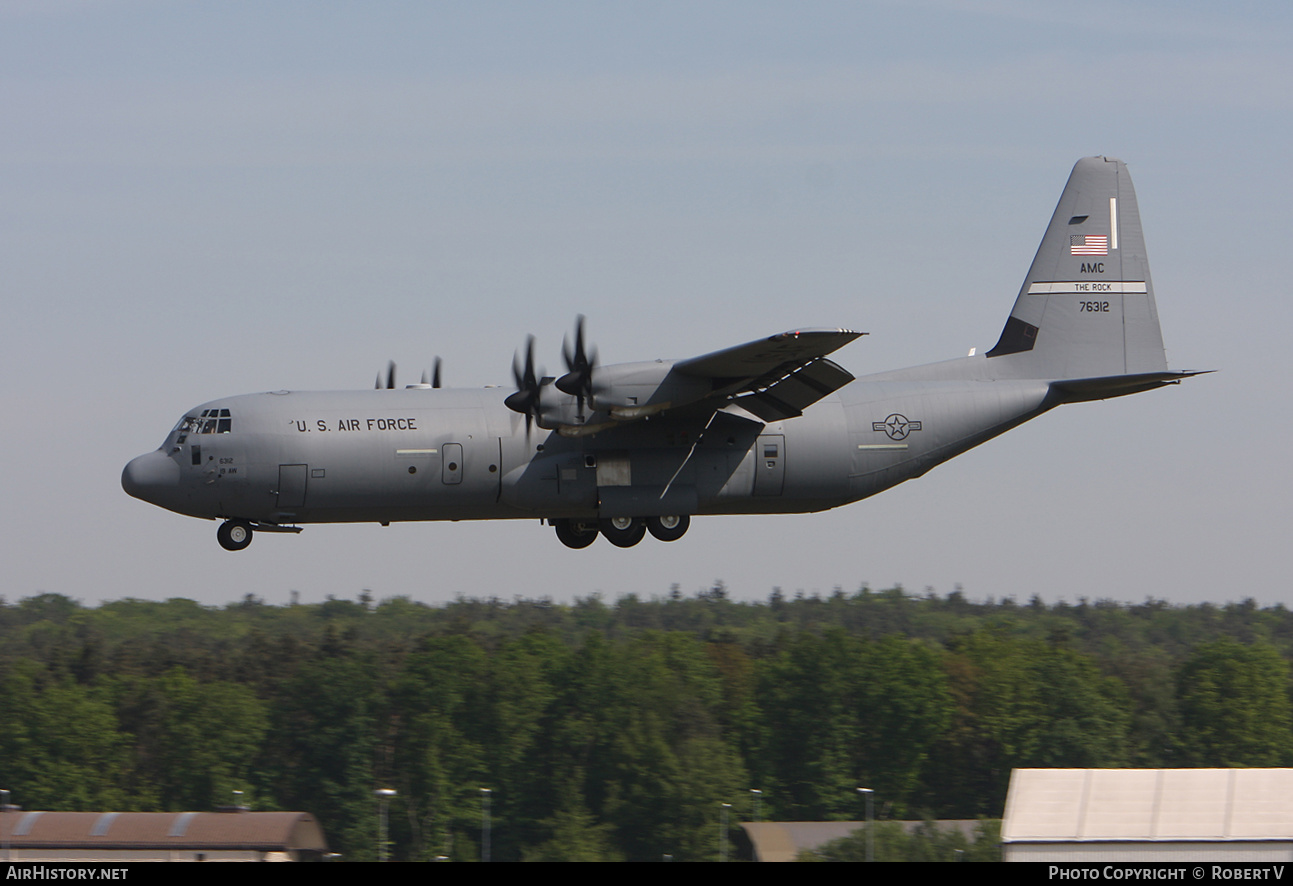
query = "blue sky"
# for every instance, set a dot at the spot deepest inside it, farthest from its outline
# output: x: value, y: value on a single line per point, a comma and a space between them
x: 202, y: 200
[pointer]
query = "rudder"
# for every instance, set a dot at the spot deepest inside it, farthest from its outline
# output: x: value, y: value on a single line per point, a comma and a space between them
x: 1086, y: 308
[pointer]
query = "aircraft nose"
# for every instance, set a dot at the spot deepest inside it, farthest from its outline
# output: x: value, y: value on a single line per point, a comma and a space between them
x: 150, y: 476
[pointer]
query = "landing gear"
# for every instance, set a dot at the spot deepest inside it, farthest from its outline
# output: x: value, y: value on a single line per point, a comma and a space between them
x: 623, y: 532
x: 575, y: 533
x: 669, y: 528
x: 234, y: 535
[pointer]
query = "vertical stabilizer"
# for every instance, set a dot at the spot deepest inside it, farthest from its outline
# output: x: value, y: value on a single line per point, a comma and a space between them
x: 1086, y: 309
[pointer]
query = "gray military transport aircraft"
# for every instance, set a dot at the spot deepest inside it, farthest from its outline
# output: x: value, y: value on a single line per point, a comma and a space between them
x: 768, y: 427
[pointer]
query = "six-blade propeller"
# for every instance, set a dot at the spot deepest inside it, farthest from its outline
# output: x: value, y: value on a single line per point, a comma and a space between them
x: 526, y: 398
x: 578, y: 379
x: 427, y: 382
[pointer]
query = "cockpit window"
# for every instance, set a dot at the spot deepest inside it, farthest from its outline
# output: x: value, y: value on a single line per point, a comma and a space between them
x: 211, y: 421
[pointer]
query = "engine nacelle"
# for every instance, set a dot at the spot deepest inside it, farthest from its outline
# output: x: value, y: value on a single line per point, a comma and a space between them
x: 630, y: 390
x: 620, y: 393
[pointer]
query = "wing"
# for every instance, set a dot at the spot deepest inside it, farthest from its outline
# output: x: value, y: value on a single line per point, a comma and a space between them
x: 777, y: 377
x: 773, y: 378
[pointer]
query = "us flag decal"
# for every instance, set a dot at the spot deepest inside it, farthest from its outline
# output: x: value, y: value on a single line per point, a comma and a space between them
x: 1088, y: 244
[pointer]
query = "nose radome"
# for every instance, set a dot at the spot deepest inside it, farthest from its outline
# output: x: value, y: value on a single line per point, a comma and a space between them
x: 149, y: 476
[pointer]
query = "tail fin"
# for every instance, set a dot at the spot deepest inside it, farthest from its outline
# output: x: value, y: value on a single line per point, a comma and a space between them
x: 1086, y: 309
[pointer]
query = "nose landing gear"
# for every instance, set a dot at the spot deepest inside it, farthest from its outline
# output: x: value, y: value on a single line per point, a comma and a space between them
x: 234, y: 535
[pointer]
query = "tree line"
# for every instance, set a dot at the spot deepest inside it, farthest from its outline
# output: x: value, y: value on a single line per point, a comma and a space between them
x: 618, y: 730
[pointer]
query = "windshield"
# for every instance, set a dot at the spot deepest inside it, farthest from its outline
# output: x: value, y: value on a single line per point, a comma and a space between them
x: 211, y: 421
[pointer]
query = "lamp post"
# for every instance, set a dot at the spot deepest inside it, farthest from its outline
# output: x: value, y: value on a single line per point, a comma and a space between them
x: 870, y: 827
x: 484, y: 823
x: 758, y: 796
x: 383, y: 797
x: 722, y: 833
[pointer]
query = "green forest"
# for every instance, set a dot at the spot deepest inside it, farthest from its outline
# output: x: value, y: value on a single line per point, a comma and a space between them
x: 617, y: 730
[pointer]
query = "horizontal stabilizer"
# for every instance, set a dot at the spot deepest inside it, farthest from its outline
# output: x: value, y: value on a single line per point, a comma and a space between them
x: 1077, y: 390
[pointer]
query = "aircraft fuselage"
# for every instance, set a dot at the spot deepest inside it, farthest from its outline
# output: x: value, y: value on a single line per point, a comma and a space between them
x: 458, y: 454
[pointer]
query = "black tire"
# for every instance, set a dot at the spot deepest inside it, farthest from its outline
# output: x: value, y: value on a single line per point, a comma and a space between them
x: 234, y: 535
x: 670, y: 527
x: 623, y: 532
x: 575, y: 533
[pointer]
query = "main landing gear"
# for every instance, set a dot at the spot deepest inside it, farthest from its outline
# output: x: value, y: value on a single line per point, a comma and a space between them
x: 670, y: 528
x: 623, y: 532
x: 575, y: 533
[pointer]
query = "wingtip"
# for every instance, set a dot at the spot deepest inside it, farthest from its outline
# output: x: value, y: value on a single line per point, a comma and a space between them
x: 797, y: 333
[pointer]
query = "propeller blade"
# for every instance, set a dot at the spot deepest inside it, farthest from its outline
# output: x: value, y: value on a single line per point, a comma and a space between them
x: 526, y: 398
x: 575, y: 357
x: 435, y: 376
x: 390, y: 375
x: 578, y: 379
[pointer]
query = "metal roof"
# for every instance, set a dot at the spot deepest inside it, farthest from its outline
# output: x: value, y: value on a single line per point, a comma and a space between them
x: 1085, y: 805
x: 264, y: 831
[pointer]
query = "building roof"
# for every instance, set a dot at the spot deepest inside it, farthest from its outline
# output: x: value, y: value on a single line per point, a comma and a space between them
x: 264, y: 831
x: 1087, y: 805
x: 784, y: 840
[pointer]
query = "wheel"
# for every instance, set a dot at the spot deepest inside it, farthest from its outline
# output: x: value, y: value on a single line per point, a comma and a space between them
x: 669, y: 528
x: 575, y: 533
x: 234, y: 535
x: 623, y: 532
